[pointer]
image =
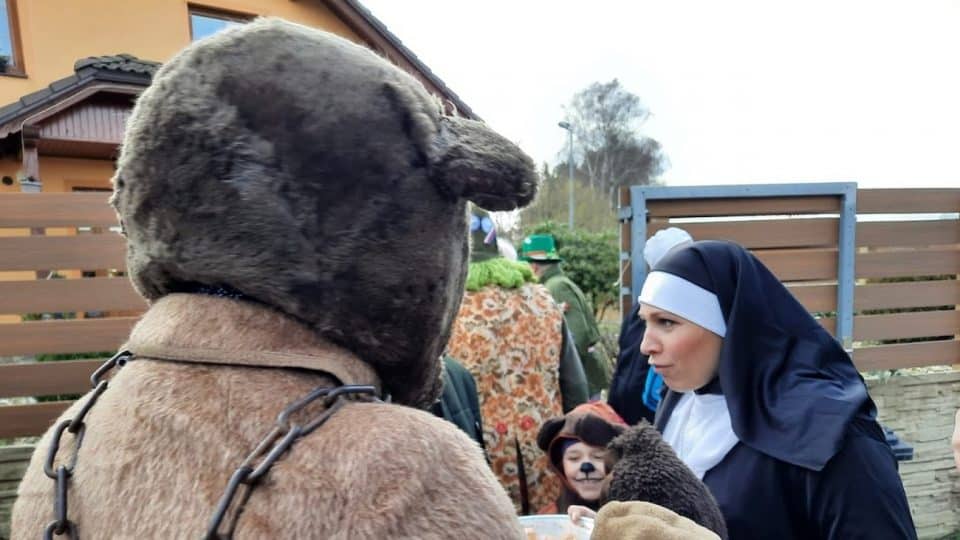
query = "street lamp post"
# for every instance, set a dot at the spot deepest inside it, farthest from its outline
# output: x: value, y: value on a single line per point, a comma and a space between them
x: 569, y: 128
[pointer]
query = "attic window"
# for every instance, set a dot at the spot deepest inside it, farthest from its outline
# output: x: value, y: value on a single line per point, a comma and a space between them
x: 11, y: 59
x: 206, y: 21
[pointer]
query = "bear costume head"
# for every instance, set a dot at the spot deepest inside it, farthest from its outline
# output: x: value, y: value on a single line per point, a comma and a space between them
x: 308, y: 175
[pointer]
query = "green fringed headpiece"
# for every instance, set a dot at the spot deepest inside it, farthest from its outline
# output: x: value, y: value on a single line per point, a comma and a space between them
x: 500, y: 272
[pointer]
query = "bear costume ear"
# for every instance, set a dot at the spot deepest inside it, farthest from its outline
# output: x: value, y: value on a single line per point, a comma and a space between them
x: 466, y: 159
x: 596, y: 431
x: 549, y: 431
x: 638, y: 440
x: 471, y: 161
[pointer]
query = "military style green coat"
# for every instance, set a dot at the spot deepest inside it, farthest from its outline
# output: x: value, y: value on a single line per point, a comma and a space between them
x: 580, y: 320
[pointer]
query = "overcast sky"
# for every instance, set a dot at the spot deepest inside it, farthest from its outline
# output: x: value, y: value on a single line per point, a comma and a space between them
x: 741, y: 91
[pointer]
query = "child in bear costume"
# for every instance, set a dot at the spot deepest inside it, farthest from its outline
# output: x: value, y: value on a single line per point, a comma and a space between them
x: 576, y: 447
x: 277, y: 185
x: 629, y: 464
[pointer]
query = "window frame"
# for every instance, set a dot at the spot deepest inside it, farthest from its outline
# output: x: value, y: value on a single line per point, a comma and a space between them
x: 16, y: 44
x: 215, y: 13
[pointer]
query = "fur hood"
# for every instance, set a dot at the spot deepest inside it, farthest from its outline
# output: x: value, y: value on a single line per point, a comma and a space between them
x: 306, y: 173
x: 594, y: 423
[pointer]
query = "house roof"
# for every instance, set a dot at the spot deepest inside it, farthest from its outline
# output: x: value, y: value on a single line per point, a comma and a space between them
x: 120, y: 70
x: 122, y: 62
x: 376, y: 34
x: 125, y: 70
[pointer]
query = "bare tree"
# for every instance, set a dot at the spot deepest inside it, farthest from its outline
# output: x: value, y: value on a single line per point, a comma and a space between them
x: 606, y: 121
x: 592, y: 211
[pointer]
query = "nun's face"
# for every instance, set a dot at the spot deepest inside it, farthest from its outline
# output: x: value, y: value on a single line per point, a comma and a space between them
x: 686, y: 355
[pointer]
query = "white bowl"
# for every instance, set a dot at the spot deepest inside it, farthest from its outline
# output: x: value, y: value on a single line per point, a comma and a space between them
x: 556, y: 526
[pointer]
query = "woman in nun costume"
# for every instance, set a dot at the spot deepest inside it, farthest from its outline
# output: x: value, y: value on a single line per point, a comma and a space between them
x: 764, y: 405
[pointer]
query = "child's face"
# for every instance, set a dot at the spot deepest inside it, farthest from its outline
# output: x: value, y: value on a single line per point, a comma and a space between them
x: 584, y: 468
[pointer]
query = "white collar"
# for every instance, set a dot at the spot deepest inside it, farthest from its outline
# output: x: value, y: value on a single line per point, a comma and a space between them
x: 700, y: 432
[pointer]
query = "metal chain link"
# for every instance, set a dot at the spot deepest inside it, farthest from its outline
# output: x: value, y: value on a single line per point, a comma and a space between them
x: 284, y: 433
x: 61, y: 524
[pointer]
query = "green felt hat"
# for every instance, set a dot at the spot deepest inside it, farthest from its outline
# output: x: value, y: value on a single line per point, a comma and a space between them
x: 539, y: 248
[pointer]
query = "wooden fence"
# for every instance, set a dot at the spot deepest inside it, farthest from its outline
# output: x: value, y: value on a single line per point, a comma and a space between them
x: 92, y: 308
x: 906, y: 262
x: 62, y: 291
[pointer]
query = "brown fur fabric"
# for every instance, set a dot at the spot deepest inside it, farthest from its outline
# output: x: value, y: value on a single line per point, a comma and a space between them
x: 629, y: 520
x: 165, y: 437
x: 309, y: 174
x: 647, y: 469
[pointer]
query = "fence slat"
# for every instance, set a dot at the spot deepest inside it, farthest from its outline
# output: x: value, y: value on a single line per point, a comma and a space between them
x: 904, y: 201
x: 829, y: 324
x: 817, y: 232
x: 907, y: 294
x: 86, y: 335
x: 67, y: 295
x: 915, y: 324
x: 800, y: 264
x: 80, y: 252
x: 821, y: 264
x: 816, y: 297
x: 29, y: 420
x: 626, y: 276
x: 908, y: 233
x: 56, y: 210
x: 744, y: 206
x: 920, y: 262
x: 905, y: 355
x: 906, y: 325
x: 47, y: 378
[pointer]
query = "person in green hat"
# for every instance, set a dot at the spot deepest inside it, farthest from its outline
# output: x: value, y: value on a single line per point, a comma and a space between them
x: 540, y: 251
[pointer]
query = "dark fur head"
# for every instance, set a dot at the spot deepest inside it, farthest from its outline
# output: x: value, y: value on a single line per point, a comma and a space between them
x: 645, y: 468
x: 311, y: 175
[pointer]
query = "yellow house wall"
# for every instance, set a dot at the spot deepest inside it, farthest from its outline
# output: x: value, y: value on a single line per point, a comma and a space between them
x: 65, y: 174
x: 9, y: 165
x: 56, y: 33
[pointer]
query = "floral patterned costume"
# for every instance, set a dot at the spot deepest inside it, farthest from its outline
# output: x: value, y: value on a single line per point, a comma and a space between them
x: 510, y: 340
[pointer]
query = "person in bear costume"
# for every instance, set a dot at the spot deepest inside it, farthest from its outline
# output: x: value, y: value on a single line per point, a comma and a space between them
x: 277, y: 186
x: 634, y: 465
x: 585, y: 433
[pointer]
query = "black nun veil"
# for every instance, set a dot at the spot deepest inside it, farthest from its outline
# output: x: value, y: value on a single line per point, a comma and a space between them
x: 790, y: 388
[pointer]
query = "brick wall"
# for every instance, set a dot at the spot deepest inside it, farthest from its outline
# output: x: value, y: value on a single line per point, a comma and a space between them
x: 921, y: 409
